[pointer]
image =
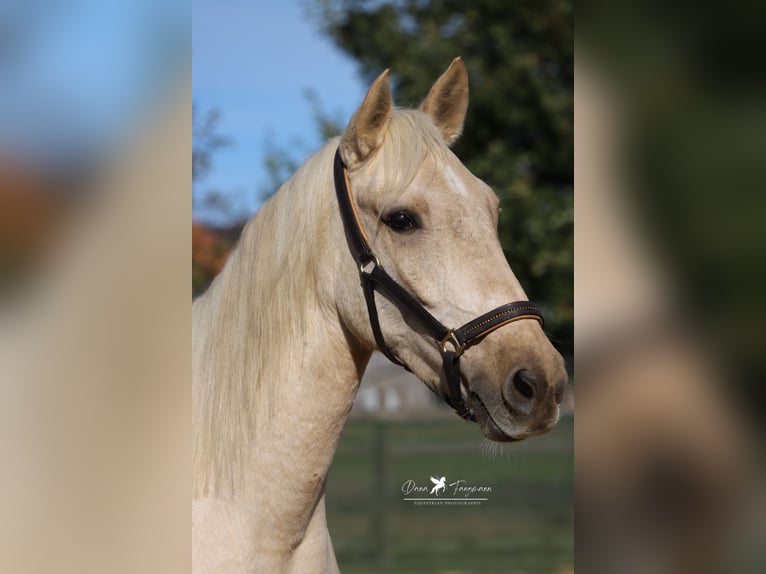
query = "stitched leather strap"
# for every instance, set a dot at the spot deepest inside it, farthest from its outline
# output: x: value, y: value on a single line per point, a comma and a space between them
x: 357, y: 240
x: 372, y: 311
x: 451, y: 343
x: 402, y: 298
x: 372, y: 274
x: 473, y: 331
x: 471, y: 334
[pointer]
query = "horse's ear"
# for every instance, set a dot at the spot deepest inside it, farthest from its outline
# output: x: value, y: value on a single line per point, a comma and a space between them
x: 368, y: 126
x: 447, y: 101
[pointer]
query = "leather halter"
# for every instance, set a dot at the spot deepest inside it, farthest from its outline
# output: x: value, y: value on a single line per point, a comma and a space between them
x: 451, y: 342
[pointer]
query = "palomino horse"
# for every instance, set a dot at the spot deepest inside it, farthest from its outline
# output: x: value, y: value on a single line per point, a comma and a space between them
x: 283, y: 335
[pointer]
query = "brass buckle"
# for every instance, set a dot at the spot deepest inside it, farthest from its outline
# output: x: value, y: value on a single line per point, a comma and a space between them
x: 364, y: 265
x: 451, y: 338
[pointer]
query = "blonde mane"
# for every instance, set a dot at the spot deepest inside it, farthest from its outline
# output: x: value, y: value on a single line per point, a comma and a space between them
x: 258, y: 305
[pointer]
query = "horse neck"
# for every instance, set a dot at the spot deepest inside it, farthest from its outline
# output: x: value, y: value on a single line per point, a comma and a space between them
x: 276, y: 373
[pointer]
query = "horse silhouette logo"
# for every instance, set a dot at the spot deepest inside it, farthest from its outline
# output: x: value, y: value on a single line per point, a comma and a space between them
x: 441, y: 484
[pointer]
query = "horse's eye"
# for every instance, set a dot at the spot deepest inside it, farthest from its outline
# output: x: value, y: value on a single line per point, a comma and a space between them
x: 401, y: 221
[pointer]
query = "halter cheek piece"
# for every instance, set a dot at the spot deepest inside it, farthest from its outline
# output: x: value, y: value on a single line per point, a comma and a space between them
x: 451, y: 342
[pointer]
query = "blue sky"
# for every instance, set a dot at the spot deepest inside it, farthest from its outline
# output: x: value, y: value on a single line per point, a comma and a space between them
x: 76, y: 78
x: 254, y: 60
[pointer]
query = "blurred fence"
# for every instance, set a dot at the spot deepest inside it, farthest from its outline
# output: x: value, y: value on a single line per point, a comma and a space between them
x: 526, y: 525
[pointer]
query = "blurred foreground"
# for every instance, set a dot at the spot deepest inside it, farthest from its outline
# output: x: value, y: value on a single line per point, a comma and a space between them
x: 95, y: 174
x: 94, y: 394
x: 669, y: 133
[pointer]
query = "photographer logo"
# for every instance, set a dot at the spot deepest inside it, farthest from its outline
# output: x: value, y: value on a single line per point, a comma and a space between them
x: 441, y: 492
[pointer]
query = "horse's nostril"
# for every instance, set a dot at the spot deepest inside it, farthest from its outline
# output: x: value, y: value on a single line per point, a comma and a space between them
x: 524, y: 383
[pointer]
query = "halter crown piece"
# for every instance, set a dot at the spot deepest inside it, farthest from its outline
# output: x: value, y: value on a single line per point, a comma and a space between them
x: 450, y: 342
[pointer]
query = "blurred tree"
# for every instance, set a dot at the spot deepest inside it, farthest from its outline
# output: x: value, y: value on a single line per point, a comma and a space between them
x: 209, y: 249
x: 209, y: 253
x: 519, y: 131
x: 282, y: 162
x: 206, y: 141
x: 33, y: 212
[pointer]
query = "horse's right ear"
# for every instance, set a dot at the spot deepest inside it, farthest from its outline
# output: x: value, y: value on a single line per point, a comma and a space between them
x: 368, y: 126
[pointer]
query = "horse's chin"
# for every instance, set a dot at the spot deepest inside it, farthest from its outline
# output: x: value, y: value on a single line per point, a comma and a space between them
x: 495, y: 433
x: 487, y: 424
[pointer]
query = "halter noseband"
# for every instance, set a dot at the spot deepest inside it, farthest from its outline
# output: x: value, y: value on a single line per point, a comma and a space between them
x: 451, y: 342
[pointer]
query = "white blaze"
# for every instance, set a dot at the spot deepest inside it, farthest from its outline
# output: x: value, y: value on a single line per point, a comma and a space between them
x: 455, y: 182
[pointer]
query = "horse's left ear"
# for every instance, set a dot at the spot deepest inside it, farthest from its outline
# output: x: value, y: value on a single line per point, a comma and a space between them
x: 447, y: 101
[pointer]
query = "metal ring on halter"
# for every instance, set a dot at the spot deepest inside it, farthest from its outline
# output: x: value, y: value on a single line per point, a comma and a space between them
x: 372, y: 258
x: 452, y: 338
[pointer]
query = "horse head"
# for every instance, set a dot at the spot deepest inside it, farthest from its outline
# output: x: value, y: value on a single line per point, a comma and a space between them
x: 433, y: 226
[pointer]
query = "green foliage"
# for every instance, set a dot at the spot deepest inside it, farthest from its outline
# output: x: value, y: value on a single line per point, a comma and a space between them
x: 519, y: 131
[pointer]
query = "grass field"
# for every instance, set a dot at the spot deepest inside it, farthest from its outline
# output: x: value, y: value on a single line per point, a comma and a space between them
x: 524, y: 527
